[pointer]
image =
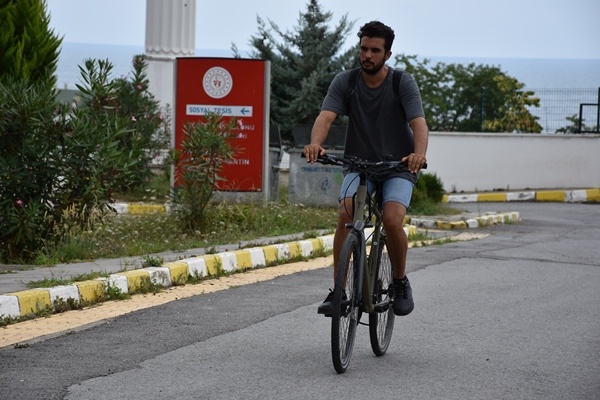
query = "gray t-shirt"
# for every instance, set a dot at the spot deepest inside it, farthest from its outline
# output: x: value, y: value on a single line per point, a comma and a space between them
x: 378, y: 127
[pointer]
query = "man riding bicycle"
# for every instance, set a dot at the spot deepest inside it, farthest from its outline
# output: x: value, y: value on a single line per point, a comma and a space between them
x: 385, y: 122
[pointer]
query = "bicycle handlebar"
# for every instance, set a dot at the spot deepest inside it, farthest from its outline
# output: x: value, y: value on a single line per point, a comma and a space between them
x: 355, y: 163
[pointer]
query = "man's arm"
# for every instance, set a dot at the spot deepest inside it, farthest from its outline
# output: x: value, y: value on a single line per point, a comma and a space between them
x: 417, y: 159
x: 318, y: 135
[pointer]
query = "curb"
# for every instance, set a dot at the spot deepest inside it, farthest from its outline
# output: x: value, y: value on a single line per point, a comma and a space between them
x: 560, y: 196
x: 25, y: 302
x: 477, y: 222
x: 139, y: 208
x: 31, y: 301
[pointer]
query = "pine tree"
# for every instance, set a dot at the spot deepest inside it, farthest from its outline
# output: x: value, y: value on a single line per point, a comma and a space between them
x: 29, y: 49
x: 303, y: 63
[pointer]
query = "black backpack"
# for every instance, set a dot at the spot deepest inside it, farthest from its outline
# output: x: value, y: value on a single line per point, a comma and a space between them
x: 353, y: 80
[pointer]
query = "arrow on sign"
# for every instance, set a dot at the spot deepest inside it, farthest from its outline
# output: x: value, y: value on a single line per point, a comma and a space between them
x: 225, y: 110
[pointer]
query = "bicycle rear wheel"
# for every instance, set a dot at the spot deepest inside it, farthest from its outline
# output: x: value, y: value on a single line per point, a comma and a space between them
x: 344, y: 317
x: 381, y: 321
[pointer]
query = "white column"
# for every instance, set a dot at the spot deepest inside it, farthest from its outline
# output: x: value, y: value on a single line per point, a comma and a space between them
x: 170, y: 33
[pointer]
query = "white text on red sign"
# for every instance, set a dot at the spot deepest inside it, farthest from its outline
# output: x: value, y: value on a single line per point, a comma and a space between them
x: 226, y: 111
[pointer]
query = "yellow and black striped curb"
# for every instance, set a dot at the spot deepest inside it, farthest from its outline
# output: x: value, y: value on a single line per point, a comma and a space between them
x: 92, y: 291
x: 475, y: 222
x: 557, y: 196
x: 139, y: 208
x: 32, y: 301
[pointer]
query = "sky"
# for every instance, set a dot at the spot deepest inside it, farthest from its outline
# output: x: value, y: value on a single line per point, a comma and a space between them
x: 558, y: 29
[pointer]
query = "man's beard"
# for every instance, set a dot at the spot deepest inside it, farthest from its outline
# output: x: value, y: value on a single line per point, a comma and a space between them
x: 374, y: 70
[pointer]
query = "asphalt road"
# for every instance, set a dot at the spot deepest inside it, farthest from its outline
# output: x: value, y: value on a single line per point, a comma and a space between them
x: 513, y: 316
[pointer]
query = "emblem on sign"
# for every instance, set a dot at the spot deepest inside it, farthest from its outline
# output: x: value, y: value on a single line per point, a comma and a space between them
x: 217, y: 82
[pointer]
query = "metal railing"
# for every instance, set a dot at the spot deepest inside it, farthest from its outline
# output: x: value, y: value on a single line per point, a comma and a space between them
x: 568, y: 110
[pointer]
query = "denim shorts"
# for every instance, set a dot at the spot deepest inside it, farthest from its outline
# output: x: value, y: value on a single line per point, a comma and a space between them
x: 398, y: 190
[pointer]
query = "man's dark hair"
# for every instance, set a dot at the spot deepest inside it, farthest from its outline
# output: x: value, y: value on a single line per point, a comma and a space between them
x: 376, y: 29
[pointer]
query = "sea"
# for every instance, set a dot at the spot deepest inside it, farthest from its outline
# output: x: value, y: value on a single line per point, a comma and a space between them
x: 561, y: 84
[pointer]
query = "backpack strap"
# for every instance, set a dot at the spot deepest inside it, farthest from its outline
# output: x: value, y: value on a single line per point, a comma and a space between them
x: 352, y: 82
x: 396, y: 86
x: 396, y: 82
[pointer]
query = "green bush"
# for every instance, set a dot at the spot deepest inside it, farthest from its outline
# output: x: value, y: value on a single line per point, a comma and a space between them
x: 126, y: 104
x: 60, y: 167
x: 149, y: 126
x: 51, y: 161
x: 203, y: 151
x: 429, y: 186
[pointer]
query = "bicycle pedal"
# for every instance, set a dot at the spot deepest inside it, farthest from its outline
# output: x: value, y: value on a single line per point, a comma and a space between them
x: 381, y: 307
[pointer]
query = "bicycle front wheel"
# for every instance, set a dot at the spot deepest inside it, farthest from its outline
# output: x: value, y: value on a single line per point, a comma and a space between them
x: 344, y: 317
x: 381, y: 321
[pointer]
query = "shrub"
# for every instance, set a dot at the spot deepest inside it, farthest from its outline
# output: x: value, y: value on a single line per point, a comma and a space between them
x: 126, y: 104
x: 429, y: 186
x: 149, y: 126
x: 203, y: 151
x: 60, y: 167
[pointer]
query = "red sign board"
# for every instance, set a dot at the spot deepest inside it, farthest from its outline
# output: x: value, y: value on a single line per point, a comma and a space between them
x: 231, y: 87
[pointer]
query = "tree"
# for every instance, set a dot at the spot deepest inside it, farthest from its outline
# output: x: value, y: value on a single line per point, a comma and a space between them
x: 512, y: 114
x: 303, y: 63
x: 574, y: 126
x: 29, y: 49
x: 60, y: 166
x: 471, y: 98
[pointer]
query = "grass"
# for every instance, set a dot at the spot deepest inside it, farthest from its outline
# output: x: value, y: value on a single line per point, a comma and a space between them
x: 54, y: 281
x: 227, y: 223
x: 156, y: 190
x: 140, y: 235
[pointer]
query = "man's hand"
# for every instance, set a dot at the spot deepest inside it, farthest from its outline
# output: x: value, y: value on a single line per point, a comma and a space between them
x: 312, y: 152
x: 414, y: 162
x: 318, y: 134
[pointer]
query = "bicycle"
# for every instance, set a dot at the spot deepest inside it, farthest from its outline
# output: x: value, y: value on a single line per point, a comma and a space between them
x: 363, y: 282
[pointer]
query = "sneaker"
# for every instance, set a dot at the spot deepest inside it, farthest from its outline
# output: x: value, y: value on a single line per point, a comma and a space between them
x: 326, y: 307
x: 403, y: 300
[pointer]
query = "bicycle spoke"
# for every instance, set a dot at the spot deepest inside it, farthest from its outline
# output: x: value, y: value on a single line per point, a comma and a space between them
x: 381, y: 322
x: 345, y: 305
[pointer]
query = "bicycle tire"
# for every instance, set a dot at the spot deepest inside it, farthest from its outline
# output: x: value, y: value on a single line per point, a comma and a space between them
x: 381, y: 321
x: 344, y: 316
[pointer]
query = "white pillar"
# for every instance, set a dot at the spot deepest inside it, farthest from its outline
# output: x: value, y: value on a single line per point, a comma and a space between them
x: 170, y: 33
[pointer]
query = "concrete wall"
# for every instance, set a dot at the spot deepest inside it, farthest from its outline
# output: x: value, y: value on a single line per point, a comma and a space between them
x: 482, y: 162
x: 475, y: 162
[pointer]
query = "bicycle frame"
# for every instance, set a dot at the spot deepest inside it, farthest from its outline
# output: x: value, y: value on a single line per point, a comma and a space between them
x: 368, y: 275
x: 367, y: 265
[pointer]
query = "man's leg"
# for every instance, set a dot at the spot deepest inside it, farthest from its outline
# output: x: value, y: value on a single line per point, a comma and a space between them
x: 397, y: 193
x: 344, y: 217
x: 397, y: 242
